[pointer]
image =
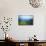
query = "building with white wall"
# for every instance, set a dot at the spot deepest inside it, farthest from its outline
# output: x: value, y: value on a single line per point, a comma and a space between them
x: 13, y: 8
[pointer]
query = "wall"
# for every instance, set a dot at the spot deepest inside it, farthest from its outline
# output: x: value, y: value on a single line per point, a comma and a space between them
x: 13, y: 8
